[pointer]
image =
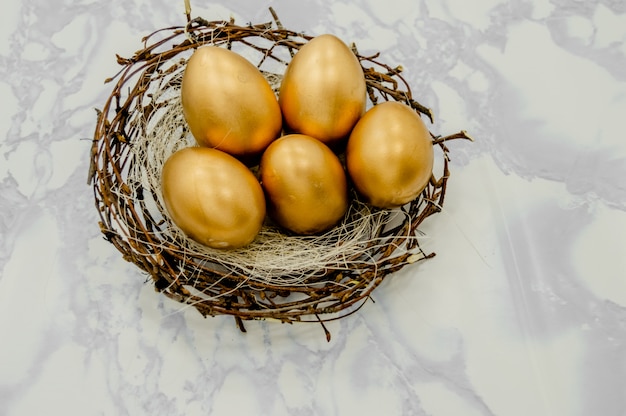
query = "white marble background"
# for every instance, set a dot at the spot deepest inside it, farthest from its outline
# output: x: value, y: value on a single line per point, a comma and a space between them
x: 522, y: 312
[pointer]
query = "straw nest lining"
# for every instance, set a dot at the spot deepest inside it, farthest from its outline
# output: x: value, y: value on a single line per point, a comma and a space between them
x: 280, y: 276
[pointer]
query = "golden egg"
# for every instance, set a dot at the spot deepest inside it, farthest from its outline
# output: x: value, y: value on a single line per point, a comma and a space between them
x: 304, y: 183
x: 213, y: 197
x: 389, y: 155
x: 323, y: 92
x: 228, y: 104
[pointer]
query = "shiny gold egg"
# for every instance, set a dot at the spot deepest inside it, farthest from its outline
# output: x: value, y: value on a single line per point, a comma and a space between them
x: 228, y: 104
x: 323, y: 91
x: 212, y: 197
x: 304, y: 183
x: 389, y: 155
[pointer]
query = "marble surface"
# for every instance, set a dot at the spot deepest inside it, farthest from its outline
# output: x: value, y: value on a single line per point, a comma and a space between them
x: 522, y: 312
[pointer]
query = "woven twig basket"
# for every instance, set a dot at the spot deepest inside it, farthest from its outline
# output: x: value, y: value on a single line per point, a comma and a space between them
x: 133, y: 219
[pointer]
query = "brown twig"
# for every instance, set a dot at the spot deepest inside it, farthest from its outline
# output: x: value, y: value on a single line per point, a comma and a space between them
x: 460, y: 135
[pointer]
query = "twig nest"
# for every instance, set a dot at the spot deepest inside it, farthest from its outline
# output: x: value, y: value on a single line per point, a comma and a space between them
x: 293, y: 278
